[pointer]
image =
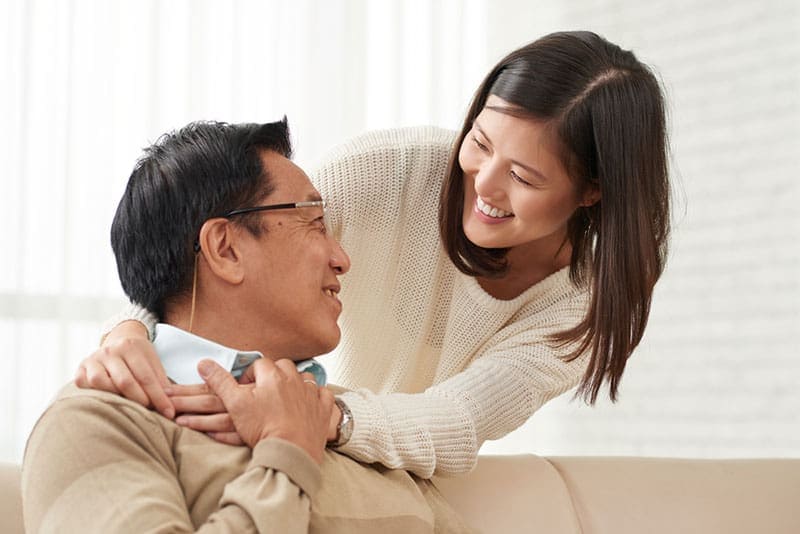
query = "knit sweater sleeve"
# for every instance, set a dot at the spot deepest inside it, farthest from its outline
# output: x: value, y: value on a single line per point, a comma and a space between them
x: 132, y: 312
x: 441, y: 430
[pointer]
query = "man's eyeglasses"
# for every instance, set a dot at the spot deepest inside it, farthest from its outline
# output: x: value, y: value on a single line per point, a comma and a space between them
x: 286, y: 206
x: 291, y: 205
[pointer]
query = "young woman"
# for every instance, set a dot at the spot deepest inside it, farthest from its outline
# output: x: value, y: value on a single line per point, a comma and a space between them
x: 492, y: 270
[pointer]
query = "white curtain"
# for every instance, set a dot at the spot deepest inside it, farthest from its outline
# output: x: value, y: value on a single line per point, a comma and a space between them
x: 87, y: 83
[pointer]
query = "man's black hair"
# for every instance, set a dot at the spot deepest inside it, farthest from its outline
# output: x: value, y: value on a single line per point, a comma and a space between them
x: 186, y: 177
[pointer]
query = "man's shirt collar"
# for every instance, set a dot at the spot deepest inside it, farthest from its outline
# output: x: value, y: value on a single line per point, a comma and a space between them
x: 180, y: 352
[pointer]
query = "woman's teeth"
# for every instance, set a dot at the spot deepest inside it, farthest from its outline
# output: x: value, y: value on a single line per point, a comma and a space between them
x: 492, y: 211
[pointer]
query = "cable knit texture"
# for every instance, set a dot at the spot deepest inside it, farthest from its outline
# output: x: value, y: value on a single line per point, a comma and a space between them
x: 437, y: 366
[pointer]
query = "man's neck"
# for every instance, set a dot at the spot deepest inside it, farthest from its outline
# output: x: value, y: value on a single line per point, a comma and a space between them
x: 224, y: 327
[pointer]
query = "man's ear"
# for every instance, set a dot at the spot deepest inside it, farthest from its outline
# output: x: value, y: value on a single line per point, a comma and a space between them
x: 220, y: 248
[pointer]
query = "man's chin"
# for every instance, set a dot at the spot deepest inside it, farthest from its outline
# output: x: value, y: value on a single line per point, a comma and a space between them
x: 331, y: 344
x: 320, y: 347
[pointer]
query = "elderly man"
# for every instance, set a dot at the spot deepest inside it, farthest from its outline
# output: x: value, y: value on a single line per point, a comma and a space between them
x: 224, y: 237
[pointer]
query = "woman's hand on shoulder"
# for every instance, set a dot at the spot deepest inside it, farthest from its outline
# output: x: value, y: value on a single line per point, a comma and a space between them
x: 198, y: 408
x: 127, y: 364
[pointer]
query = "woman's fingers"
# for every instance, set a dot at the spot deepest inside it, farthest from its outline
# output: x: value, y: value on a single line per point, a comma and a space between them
x: 248, y: 377
x: 151, y: 385
x: 186, y: 390
x: 220, y: 422
x: 92, y: 375
x: 200, y: 404
x: 125, y: 382
x: 128, y: 366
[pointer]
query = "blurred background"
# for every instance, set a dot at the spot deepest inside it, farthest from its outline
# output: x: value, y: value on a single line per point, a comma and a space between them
x: 85, y: 84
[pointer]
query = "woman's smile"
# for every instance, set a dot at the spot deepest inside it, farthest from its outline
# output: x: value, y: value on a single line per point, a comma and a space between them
x: 489, y: 214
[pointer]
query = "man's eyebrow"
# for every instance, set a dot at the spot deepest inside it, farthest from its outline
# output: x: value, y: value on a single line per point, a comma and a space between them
x: 515, y: 162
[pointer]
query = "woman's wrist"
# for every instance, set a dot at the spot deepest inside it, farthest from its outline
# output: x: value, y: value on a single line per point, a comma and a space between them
x: 129, y: 328
x: 132, y: 312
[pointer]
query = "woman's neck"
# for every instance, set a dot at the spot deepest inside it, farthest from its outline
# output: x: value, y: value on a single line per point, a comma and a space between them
x: 528, y: 265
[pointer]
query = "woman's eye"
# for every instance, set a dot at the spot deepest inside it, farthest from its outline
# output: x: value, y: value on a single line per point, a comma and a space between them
x: 520, y: 179
x: 479, y: 144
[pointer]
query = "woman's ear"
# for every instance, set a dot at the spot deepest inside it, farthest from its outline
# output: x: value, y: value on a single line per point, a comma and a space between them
x: 219, y: 247
x: 590, y: 197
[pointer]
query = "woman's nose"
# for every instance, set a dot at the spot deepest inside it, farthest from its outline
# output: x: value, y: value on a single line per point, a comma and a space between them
x: 488, y: 179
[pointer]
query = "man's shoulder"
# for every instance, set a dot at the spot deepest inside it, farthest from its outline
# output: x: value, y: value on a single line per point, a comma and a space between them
x: 92, y: 409
x: 73, y: 396
x: 86, y: 428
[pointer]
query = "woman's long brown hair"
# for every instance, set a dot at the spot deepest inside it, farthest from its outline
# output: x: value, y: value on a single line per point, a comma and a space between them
x: 607, y: 112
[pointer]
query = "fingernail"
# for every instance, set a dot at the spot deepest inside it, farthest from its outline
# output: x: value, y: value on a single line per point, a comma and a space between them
x: 180, y: 421
x: 169, y: 413
x: 204, y: 368
x: 169, y: 391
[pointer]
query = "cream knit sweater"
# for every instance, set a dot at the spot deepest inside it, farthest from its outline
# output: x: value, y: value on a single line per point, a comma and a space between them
x: 437, y: 366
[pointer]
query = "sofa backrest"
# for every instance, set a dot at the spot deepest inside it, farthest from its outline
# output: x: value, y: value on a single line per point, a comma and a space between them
x: 656, y: 495
x: 510, y: 494
x: 616, y: 495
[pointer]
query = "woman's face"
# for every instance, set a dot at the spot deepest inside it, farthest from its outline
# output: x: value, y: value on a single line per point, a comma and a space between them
x: 516, y: 192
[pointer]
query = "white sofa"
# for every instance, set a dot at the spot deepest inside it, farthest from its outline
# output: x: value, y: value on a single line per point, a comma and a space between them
x: 588, y: 495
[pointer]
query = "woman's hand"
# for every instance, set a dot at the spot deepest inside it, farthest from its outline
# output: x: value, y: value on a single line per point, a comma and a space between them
x: 126, y: 364
x: 202, y: 410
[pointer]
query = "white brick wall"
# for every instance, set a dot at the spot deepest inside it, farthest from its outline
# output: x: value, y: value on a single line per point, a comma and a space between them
x: 718, y: 374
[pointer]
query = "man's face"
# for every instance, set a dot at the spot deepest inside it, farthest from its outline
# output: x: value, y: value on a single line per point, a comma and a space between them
x: 292, y: 268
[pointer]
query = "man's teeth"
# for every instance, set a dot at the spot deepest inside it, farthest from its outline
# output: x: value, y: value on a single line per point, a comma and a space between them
x: 330, y: 293
x: 491, y: 211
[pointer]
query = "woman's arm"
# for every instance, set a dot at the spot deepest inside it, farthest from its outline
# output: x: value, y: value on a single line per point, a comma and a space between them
x: 441, y: 430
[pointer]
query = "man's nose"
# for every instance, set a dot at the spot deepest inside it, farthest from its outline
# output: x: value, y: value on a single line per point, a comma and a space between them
x: 340, y: 261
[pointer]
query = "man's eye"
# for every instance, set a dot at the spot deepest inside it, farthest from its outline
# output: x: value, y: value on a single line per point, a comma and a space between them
x: 321, y: 226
